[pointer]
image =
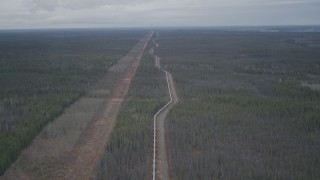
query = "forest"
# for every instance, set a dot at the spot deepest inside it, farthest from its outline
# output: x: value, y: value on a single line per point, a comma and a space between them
x: 128, y: 154
x: 249, y: 104
x: 249, y: 101
x: 43, y: 71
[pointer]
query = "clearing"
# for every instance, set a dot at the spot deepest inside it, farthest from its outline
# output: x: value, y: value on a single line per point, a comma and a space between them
x: 72, y: 149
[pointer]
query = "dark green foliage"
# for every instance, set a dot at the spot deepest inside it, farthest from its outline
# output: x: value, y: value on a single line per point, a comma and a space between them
x: 128, y: 153
x: 243, y: 112
x: 43, y: 72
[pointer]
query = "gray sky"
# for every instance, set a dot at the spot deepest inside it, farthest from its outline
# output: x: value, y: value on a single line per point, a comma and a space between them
x: 144, y: 13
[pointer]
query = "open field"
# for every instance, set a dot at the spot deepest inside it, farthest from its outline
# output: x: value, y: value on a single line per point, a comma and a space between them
x: 249, y: 107
x: 42, y: 73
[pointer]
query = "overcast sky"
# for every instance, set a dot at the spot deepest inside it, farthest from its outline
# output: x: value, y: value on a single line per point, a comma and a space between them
x: 147, y: 13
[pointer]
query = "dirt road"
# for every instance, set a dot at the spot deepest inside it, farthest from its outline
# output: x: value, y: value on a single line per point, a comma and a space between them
x: 160, y: 164
x: 87, y: 154
x: 52, y: 156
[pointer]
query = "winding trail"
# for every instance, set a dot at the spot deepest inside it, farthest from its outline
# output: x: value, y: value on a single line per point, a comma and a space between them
x: 160, y: 168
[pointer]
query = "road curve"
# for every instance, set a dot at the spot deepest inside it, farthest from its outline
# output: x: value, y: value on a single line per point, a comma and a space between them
x: 160, y: 164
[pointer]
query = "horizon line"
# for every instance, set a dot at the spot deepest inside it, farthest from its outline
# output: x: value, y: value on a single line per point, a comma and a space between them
x: 159, y: 27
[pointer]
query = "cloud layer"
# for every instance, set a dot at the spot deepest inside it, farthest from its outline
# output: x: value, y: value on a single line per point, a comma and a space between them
x: 141, y: 13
